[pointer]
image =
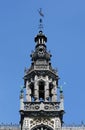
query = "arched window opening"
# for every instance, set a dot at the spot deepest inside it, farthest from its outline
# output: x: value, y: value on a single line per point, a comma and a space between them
x: 50, y: 95
x: 50, y: 91
x: 41, y: 91
x: 42, y: 127
x: 32, y: 92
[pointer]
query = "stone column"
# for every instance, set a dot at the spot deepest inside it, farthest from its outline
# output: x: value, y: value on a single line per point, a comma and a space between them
x: 57, y: 123
x: 28, y: 92
x: 61, y: 100
x: 47, y: 89
x: 36, y: 89
x: 54, y: 92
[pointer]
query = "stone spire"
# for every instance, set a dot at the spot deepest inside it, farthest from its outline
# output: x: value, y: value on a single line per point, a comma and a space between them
x: 41, y: 108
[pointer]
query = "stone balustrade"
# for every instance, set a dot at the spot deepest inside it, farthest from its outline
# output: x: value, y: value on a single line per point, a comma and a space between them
x: 44, y: 106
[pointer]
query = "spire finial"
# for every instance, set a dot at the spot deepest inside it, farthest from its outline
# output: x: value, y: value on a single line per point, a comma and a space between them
x: 40, y: 20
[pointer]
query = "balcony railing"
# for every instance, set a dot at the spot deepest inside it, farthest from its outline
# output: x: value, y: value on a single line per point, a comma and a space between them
x: 45, y: 106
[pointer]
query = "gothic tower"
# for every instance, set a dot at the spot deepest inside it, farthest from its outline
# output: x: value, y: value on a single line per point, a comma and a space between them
x: 40, y: 107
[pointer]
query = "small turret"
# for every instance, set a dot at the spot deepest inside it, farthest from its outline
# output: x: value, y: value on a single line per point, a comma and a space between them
x: 40, y: 52
x: 40, y: 38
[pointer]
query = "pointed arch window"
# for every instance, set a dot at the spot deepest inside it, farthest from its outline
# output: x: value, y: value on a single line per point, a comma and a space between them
x: 41, y: 90
x: 32, y: 92
x: 50, y: 91
x: 42, y: 127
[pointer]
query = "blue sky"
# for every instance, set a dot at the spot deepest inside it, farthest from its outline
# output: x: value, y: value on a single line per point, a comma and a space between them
x: 64, y: 25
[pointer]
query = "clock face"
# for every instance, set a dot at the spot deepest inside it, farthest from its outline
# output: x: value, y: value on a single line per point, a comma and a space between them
x: 41, y: 51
